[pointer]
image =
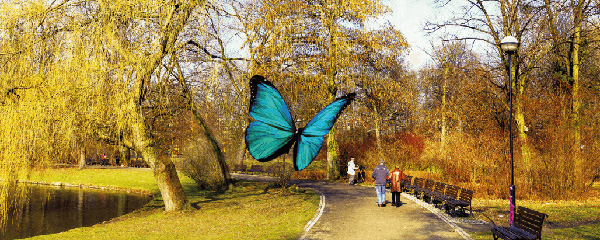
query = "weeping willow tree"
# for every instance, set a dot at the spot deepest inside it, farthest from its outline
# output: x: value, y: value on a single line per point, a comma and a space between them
x: 72, y: 70
x: 38, y: 122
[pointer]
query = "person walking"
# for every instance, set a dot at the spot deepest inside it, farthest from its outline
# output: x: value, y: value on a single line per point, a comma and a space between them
x: 351, y: 172
x: 397, y: 177
x: 380, y: 174
x: 361, y: 174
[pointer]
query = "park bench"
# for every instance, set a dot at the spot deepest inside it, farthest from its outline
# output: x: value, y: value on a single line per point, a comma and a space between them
x: 450, y: 194
x: 527, y: 225
x: 407, y: 182
x: 463, y: 201
x: 277, y: 168
x: 418, y: 183
x: 256, y: 169
x: 138, y: 163
x: 273, y: 170
x: 426, y: 190
x: 239, y: 168
x: 438, y: 193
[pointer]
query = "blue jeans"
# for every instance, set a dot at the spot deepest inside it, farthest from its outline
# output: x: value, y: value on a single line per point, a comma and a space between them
x: 380, y: 194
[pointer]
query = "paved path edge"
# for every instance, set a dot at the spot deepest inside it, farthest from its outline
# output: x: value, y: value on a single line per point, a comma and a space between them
x: 440, y: 215
x: 317, y: 216
x: 423, y: 204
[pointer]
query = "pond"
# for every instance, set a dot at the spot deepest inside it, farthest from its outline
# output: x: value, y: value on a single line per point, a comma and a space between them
x: 51, y: 209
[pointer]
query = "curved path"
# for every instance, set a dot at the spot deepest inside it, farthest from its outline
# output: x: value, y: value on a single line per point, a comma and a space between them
x: 351, y: 212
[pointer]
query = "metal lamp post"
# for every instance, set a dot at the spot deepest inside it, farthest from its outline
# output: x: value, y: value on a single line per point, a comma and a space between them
x: 509, y: 45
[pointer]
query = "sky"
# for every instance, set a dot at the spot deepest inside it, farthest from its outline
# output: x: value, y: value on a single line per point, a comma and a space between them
x: 409, y: 16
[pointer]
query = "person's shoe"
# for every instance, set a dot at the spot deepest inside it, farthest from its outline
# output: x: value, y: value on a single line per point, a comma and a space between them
x: 383, y: 205
x: 379, y: 205
x: 393, y: 204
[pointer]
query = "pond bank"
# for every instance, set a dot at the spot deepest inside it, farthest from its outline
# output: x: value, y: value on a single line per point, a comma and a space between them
x: 144, y: 193
x: 256, y: 211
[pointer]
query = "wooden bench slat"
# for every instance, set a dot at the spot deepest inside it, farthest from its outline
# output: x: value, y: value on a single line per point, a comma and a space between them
x: 532, y: 217
x: 451, y: 192
x: 418, y: 183
x: 407, y: 183
x: 522, y: 233
x: 504, y: 233
x: 466, y: 195
x: 427, y: 189
x: 438, y: 193
x: 256, y: 168
x: 239, y: 168
x: 527, y: 225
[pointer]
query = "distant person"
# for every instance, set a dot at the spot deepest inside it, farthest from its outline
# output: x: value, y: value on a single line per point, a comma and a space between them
x: 380, y: 174
x: 351, y: 172
x: 361, y: 174
x: 397, y: 177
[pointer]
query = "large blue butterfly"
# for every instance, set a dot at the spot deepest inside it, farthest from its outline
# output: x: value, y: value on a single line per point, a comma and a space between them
x: 274, y: 132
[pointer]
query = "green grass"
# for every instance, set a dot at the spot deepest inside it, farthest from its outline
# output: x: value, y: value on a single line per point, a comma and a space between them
x: 566, y: 219
x: 128, y: 178
x: 589, y: 231
x: 249, y: 211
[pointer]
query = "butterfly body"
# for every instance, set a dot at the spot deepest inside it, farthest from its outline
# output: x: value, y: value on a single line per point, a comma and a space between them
x: 273, y: 132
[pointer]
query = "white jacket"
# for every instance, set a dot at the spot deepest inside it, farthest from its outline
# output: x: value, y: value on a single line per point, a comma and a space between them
x: 351, y: 168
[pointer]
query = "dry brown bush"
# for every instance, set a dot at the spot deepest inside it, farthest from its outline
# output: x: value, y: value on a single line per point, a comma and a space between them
x: 310, y: 174
x: 199, y: 164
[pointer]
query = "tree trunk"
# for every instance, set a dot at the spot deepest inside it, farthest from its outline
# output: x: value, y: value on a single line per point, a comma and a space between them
x: 378, y: 123
x: 214, y: 145
x: 333, y: 171
x: 579, y: 167
x: 519, y: 87
x: 162, y: 167
x: 242, y: 149
x: 443, y: 112
x: 82, y: 157
x: 378, y: 136
x: 332, y: 148
x: 227, y: 181
x: 125, y: 154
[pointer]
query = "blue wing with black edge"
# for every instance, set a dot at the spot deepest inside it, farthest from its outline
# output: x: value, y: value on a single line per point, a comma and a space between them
x: 310, y: 139
x: 273, y: 132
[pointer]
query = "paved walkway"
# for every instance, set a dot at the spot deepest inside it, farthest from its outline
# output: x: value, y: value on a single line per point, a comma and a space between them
x: 351, y: 212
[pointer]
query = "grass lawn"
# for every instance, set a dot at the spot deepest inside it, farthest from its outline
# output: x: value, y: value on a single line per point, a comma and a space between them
x: 566, y: 219
x: 249, y: 211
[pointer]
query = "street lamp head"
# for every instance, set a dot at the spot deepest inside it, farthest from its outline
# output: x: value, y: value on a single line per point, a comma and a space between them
x: 509, y: 44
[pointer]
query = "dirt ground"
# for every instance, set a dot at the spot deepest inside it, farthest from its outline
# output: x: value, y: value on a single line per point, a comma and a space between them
x: 351, y: 212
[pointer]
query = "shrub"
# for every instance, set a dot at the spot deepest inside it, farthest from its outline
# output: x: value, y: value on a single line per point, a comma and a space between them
x: 310, y: 174
x: 200, y: 164
x: 283, y: 173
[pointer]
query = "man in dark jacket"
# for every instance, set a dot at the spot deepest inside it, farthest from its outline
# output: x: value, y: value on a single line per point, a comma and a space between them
x: 397, y: 177
x: 380, y: 174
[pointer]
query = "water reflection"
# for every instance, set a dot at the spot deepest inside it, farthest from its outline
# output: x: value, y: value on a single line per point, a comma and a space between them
x: 49, y: 209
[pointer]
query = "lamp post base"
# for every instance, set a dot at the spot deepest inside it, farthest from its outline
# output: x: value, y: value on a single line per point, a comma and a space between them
x: 512, y: 204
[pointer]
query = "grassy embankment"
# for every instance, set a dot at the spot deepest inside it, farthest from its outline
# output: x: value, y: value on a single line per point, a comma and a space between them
x: 246, y: 212
x: 572, y: 219
x: 566, y: 219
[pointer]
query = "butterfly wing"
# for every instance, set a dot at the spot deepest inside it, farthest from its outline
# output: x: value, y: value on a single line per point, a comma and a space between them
x: 310, y: 139
x: 272, y: 133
